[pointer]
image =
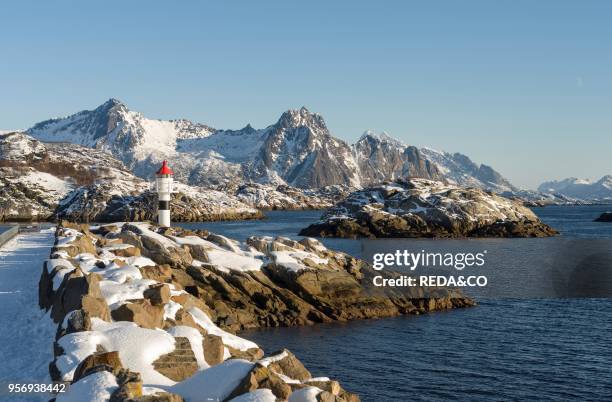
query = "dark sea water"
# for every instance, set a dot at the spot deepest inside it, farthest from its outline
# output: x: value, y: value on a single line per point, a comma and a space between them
x: 540, y: 349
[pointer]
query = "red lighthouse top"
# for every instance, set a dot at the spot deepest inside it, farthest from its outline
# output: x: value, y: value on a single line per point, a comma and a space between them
x: 164, y: 169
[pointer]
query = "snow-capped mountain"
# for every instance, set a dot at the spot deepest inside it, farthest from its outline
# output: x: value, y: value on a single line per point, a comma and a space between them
x: 298, y: 150
x: 601, y: 190
x: 138, y: 141
x: 380, y: 157
x: 460, y: 169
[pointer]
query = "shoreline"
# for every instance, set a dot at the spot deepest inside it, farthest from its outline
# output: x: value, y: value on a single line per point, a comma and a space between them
x: 87, y: 297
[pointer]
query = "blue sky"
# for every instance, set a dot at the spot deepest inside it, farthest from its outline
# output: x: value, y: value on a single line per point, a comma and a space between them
x: 524, y: 86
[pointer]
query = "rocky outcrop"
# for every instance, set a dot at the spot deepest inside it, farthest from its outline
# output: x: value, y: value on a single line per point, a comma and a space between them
x: 157, y: 324
x: 425, y: 208
x: 604, y: 217
x: 282, y: 197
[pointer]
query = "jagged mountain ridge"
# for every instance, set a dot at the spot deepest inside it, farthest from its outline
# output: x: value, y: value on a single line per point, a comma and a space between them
x: 297, y: 150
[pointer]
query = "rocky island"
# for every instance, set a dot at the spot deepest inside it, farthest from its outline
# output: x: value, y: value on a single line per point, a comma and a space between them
x: 427, y: 208
x: 604, y: 217
x: 149, y: 314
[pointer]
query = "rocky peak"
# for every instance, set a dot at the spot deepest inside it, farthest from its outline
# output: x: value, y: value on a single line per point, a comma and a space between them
x: 111, y: 103
x: 294, y: 118
x: 606, y: 181
x: 373, y: 137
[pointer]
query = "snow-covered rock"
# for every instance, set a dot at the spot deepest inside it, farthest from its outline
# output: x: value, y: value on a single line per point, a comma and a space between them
x: 271, y: 197
x: 532, y: 198
x: 92, y: 279
x: 425, y: 208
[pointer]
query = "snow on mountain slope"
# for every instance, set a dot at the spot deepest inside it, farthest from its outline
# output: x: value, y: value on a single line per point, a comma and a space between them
x: 298, y: 150
x: 115, y: 129
x: 459, y: 169
x: 231, y: 145
x: 584, y: 189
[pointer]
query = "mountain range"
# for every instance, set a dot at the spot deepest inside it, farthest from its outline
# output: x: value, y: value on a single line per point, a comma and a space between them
x: 580, y: 188
x: 297, y: 150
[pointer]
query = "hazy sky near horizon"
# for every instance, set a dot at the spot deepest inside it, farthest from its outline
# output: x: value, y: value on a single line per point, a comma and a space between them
x: 523, y: 86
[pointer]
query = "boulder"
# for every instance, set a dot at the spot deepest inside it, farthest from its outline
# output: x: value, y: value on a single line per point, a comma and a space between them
x: 199, y: 252
x: 327, y: 396
x: 141, y: 312
x: 182, y: 318
x: 252, y: 354
x: 313, y: 284
x: 129, y: 386
x: 330, y: 386
x: 261, y: 377
x: 160, y: 273
x: 45, y: 285
x: 108, y: 361
x: 289, y: 365
x: 214, y: 349
x: 82, y: 244
x: 79, y: 291
x: 79, y: 320
x: 153, y: 248
x: 158, y: 294
x: 179, y: 364
x: 95, y: 307
x: 130, y: 251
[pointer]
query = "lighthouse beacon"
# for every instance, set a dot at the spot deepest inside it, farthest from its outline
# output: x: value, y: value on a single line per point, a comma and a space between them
x: 163, y: 186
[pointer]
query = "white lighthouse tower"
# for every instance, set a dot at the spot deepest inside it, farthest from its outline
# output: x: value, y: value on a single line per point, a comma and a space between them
x: 163, y: 186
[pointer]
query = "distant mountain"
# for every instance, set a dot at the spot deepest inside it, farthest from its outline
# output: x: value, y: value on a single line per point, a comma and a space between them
x: 298, y: 150
x: 580, y: 188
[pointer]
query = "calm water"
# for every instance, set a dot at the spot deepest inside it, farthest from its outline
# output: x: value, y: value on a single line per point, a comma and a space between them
x: 504, y: 349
